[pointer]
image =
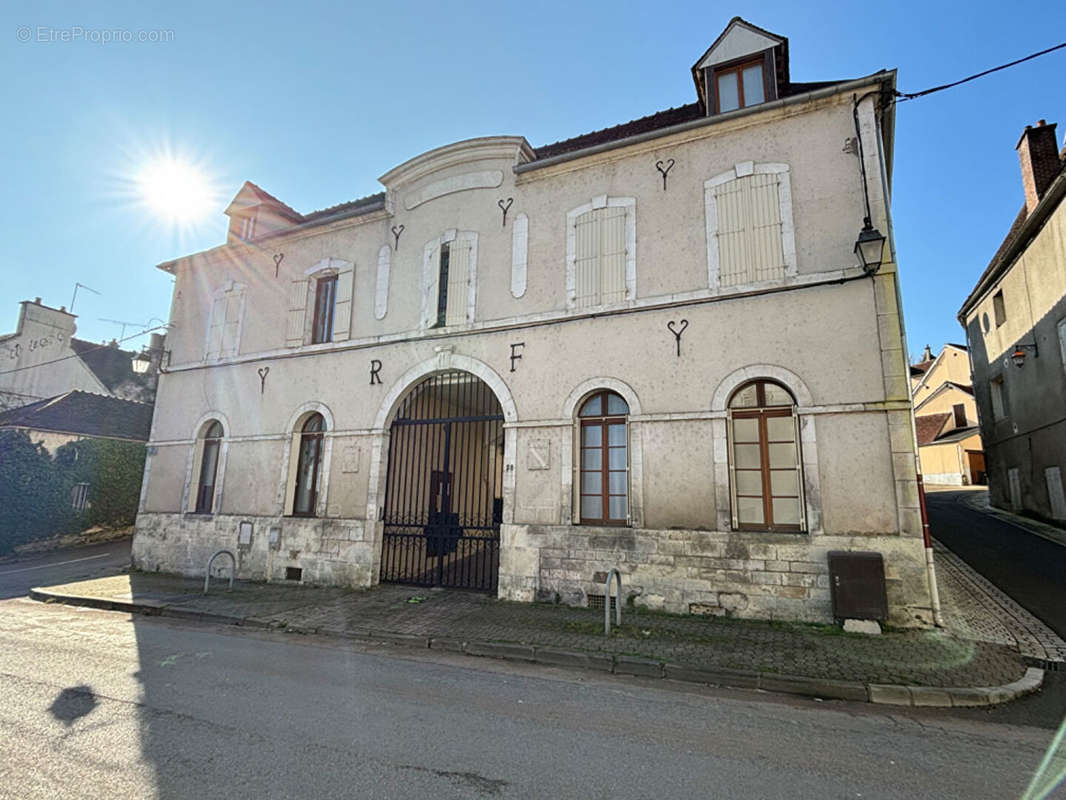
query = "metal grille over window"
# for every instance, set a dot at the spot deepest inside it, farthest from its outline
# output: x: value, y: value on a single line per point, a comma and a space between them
x: 444, y: 492
x: 765, y: 468
x: 749, y: 230
x: 79, y: 496
x: 600, y: 256
x: 604, y: 460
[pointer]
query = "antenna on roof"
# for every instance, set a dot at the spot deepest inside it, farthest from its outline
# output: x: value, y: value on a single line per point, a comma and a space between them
x: 125, y: 324
x: 75, y: 297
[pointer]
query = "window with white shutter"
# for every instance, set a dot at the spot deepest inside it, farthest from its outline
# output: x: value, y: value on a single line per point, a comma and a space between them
x: 224, y: 323
x: 449, y: 279
x: 601, y: 257
x: 750, y: 238
x: 294, y: 329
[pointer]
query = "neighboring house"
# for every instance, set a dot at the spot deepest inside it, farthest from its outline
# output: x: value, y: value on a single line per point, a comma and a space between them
x: 1015, y: 320
x: 80, y: 415
x: 518, y: 368
x: 42, y: 359
x: 945, y: 416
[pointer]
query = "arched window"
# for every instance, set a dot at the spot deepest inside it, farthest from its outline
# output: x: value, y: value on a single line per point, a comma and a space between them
x: 765, y: 468
x: 205, y: 487
x: 309, y: 467
x: 604, y: 460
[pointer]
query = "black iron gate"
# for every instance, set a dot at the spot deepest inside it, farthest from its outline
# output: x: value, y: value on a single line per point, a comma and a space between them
x: 444, y: 491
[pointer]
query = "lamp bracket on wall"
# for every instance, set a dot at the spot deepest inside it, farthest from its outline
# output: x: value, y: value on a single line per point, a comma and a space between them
x: 664, y: 170
x: 504, y: 207
x: 396, y: 231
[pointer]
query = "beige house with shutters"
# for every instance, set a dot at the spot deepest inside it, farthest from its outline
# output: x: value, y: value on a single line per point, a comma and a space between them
x: 650, y: 348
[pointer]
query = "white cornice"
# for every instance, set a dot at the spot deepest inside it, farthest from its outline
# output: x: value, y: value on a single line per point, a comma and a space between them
x: 514, y: 149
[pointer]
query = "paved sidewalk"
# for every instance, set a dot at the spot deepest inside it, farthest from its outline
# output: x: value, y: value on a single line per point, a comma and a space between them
x: 976, y: 609
x: 977, y: 499
x: 746, y: 653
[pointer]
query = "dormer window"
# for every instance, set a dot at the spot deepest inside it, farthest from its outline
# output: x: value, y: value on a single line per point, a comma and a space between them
x: 247, y: 228
x: 740, y: 86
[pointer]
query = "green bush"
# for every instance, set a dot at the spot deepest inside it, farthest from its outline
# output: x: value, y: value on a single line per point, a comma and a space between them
x: 36, y: 489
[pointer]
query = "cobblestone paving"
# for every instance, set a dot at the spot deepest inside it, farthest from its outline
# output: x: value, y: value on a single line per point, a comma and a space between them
x: 912, y: 658
x: 974, y: 608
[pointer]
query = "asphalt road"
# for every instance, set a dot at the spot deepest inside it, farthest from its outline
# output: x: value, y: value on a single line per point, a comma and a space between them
x: 1027, y: 567
x: 61, y: 566
x: 99, y: 704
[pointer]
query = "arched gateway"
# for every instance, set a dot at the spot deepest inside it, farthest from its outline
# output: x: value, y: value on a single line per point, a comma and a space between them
x: 444, y: 489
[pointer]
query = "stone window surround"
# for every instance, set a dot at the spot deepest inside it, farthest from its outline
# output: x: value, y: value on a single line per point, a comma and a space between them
x: 602, y: 201
x: 324, y: 269
x: 194, y: 459
x: 784, y: 196
x: 812, y: 485
x: 431, y: 275
x: 287, y: 484
x: 569, y: 466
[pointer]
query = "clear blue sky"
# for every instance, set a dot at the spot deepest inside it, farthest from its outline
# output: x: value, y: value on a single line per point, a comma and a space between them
x: 314, y: 100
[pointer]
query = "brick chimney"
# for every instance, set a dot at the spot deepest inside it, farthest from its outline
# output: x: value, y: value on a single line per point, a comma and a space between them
x: 1039, y: 155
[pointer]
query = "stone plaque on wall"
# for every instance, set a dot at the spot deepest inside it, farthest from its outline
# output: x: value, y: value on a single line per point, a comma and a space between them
x: 350, y: 458
x: 539, y: 454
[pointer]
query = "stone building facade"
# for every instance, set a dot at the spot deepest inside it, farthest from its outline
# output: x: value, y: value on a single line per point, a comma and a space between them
x: 650, y: 348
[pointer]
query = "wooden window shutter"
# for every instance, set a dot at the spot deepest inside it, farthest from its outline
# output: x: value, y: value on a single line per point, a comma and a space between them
x: 294, y: 331
x: 587, y: 241
x: 231, y: 324
x: 430, y: 281
x: 767, y: 254
x: 612, y: 255
x: 214, y: 329
x: 749, y: 230
x: 342, y: 308
x: 458, y: 283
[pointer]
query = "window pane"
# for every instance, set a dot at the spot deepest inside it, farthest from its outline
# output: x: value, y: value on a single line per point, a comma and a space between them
x: 749, y: 511
x: 591, y: 507
x: 784, y: 482
x: 782, y: 455
x: 781, y: 429
x: 753, y: 87
x: 592, y: 458
x: 593, y: 407
x: 745, y: 398
x: 215, y: 431
x: 616, y: 458
x: 786, y: 511
x: 591, y: 435
x: 728, y: 97
x: 747, y: 456
x: 616, y: 435
x: 749, y: 482
x: 591, y: 483
x: 618, y: 507
x: 776, y: 395
x: 616, y: 482
x: 616, y: 405
x: 745, y: 430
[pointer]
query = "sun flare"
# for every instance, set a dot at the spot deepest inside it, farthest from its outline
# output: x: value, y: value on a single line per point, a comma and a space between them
x: 176, y: 190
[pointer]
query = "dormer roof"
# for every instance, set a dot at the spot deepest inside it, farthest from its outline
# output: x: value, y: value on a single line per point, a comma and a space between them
x: 739, y: 39
x: 251, y: 196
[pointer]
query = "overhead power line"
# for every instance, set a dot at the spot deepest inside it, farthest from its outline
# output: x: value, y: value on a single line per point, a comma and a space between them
x: 87, y: 350
x: 901, y: 96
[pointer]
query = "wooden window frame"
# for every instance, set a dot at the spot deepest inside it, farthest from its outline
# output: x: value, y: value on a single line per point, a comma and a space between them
x: 738, y: 67
x: 761, y: 412
x: 603, y: 420
x: 443, y: 264
x: 306, y: 436
x: 205, y: 503
x: 322, y: 326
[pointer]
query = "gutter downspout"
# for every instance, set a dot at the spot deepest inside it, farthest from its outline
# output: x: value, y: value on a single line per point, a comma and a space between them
x: 934, y: 593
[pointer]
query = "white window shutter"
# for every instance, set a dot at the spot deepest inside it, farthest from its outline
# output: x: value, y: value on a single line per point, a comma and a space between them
x: 458, y: 282
x: 342, y: 307
x: 231, y: 325
x: 294, y: 332
x: 519, y: 247
x: 768, y: 260
x: 732, y: 201
x: 381, y: 294
x: 587, y: 241
x: 214, y: 329
x: 430, y: 279
x: 613, y: 255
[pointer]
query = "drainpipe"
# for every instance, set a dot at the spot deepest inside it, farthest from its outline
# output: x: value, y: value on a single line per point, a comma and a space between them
x: 930, y: 568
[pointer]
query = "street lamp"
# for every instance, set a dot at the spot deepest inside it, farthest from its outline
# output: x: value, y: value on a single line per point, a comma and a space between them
x: 1018, y: 356
x: 141, y: 362
x: 870, y: 248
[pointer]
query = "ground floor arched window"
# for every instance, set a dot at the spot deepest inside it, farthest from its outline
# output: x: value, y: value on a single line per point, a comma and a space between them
x: 309, y: 467
x: 765, y: 467
x: 211, y: 444
x: 604, y: 488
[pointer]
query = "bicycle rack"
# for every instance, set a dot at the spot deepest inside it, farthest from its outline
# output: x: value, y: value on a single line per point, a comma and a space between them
x: 233, y: 571
x: 607, y: 602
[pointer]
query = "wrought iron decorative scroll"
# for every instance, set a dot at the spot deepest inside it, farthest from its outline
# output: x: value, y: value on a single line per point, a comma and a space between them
x: 505, y: 207
x: 681, y: 326
x: 664, y: 170
x: 263, y: 372
x: 396, y: 231
x: 278, y: 258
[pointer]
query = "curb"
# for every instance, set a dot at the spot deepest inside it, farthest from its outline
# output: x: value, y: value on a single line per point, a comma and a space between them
x: 882, y: 694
